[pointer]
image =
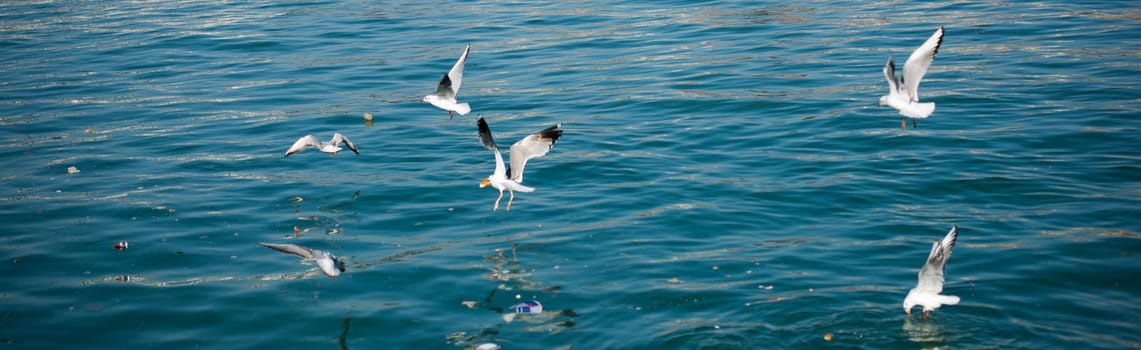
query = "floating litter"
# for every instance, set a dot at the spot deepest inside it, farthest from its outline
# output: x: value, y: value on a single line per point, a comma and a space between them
x: 487, y: 346
x: 72, y: 170
x: 827, y: 336
x: 530, y: 307
x: 122, y: 245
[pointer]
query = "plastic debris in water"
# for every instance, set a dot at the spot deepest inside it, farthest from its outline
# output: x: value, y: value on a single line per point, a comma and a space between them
x: 122, y: 245
x: 487, y: 346
x: 530, y: 307
x: 123, y: 278
x: 72, y: 170
x: 827, y: 336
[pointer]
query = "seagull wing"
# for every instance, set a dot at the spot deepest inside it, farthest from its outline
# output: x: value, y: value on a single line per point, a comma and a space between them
x: 931, y: 276
x: 485, y: 134
x: 290, y: 249
x: 302, y: 143
x: 533, y: 146
x: 889, y: 73
x: 918, y: 63
x: 489, y: 143
x: 450, y: 84
x: 338, y: 139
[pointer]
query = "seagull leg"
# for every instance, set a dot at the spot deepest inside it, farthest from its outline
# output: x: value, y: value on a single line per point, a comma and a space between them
x: 450, y: 115
x: 496, y: 206
x: 903, y: 124
x: 926, y: 314
x: 913, y: 123
x: 510, y: 199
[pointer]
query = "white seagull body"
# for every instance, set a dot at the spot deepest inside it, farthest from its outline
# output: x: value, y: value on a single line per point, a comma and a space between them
x: 331, y: 147
x: 445, y: 96
x: 329, y: 264
x: 903, y: 94
x: 926, y: 292
x: 533, y: 146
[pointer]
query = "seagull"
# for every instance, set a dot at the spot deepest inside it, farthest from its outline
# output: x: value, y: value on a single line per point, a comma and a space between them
x: 445, y: 96
x: 533, y: 146
x: 329, y: 264
x: 903, y: 94
x: 331, y: 147
x: 926, y: 292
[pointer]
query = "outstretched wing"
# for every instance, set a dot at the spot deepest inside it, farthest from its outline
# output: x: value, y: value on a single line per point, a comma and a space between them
x: 489, y: 143
x: 931, y: 276
x: 533, y: 146
x: 889, y: 73
x: 917, y: 64
x: 449, y: 85
x: 485, y: 134
x: 290, y: 249
x: 338, y: 139
x: 302, y: 143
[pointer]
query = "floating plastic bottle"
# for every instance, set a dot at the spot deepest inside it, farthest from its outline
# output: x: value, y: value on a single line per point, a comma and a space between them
x: 530, y: 307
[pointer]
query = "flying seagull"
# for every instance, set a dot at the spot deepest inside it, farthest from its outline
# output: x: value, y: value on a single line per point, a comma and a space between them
x: 329, y: 264
x: 926, y: 292
x: 445, y: 96
x: 533, y: 146
x: 903, y: 94
x: 331, y: 147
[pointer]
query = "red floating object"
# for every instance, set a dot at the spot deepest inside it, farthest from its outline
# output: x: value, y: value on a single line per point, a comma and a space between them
x: 121, y: 245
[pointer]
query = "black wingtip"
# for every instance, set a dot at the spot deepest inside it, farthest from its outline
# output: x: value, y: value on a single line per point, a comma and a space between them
x: 485, y: 134
x: 939, y: 44
x: 553, y: 133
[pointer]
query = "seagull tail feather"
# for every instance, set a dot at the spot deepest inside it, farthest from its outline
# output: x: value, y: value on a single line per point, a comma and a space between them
x: 948, y: 299
x: 463, y: 108
x: 919, y: 110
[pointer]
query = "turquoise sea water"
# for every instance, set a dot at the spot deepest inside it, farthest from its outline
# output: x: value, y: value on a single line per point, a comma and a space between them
x: 725, y: 181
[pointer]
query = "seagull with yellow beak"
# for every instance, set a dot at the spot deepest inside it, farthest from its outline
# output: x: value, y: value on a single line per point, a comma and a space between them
x: 510, y: 178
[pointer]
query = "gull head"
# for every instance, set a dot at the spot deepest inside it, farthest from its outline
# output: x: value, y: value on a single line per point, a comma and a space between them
x: 908, y: 303
x: 430, y: 98
x: 483, y: 183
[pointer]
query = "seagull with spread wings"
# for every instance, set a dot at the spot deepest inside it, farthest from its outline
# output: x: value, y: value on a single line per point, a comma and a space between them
x: 331, y: 147
x: 926, y: 292
x: 903, y: 94
x: 445, y: 96
x: 329, y: 264
x: 510, y: 178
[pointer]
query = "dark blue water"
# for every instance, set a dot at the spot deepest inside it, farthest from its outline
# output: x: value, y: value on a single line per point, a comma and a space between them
x: 725, y: 181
